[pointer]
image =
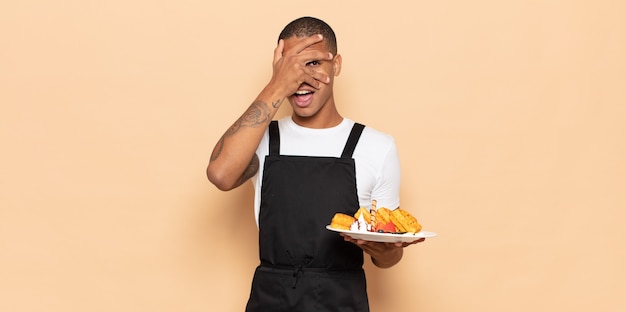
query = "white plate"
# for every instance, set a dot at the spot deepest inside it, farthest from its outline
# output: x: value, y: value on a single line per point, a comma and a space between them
x: 385, y: 237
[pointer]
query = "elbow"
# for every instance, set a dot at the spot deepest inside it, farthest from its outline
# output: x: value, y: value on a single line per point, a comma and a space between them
x: 383, y: 265
x: 219, y: 179
x: 226, y: 177
x: 389, y: 259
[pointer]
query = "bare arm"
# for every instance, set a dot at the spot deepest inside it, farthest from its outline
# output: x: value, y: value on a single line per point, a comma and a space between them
x: 233, y: 160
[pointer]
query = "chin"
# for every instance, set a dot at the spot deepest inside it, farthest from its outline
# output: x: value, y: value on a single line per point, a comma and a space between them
x: 304, y: 112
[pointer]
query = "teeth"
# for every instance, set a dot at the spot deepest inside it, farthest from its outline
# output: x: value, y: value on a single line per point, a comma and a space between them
x: 302, y: 92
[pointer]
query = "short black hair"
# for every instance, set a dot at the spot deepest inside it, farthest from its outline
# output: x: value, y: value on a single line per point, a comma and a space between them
x: 308, y: 26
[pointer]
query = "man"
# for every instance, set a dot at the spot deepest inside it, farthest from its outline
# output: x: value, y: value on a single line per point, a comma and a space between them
x: 306, y: 168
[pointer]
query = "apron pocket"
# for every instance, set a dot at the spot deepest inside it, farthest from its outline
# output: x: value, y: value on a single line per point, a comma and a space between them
x: 342, y: 291
x: 267, y: 290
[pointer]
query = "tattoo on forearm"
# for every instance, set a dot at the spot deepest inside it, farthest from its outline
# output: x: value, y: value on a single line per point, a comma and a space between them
x: 276, y: 103
x: 257, y: 115
x: 251, y: 170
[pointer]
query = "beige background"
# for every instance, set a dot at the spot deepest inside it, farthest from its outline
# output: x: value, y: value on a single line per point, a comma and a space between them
x: 509, y: 118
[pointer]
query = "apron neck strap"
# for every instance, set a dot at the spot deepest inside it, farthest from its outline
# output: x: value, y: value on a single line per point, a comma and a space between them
x: 274, y: 138
x: 355, y: 134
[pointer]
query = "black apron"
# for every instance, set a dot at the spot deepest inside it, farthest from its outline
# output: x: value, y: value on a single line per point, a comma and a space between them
x: 305, y: 267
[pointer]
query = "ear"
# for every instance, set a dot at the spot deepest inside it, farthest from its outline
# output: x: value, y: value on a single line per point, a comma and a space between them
x: 337, y: 64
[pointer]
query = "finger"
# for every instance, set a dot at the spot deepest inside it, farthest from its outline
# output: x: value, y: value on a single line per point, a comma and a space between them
x: 305, y: 43
x: 314, y: 55
x: 310, y: 80
x: 313, y: 78
x: 414, y: 242
x: 321, y: 77
x: 278, y: 52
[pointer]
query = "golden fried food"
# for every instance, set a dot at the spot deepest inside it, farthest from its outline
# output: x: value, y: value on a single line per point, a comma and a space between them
x: 404, y: 221
x: 383, y: 215
x: 363, y: 211
x: 341, y: 221
x: 383, y: 221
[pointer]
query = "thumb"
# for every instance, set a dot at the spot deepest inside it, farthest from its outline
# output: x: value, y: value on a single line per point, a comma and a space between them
x: 278, y: 52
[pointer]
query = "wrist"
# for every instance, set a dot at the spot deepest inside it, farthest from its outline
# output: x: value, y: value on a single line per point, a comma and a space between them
x: 273, y: 97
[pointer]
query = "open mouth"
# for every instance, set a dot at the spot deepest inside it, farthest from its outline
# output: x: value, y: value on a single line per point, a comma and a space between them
x: 303, y: 97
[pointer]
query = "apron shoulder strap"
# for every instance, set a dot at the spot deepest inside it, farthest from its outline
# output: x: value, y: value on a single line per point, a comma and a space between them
x: 355, y: 134
x: 274, y: 138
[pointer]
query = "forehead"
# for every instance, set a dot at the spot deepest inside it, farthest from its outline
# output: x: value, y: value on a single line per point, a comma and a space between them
x: 293, y: 40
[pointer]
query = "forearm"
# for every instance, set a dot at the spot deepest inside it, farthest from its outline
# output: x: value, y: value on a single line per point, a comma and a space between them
x: 232, y: 160
x: 388, y: 258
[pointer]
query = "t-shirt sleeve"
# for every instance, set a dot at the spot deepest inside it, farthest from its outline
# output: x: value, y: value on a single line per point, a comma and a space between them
x: 387, y: 188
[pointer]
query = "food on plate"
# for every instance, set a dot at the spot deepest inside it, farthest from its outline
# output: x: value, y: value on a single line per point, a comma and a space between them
x: 342, y: 221
x: 360, y: 225
x: 383, y: 215
x: 404, y: 221
x: 373, y: 214
x: 377, y: 219
x: 383, y: 221
x: 363, y: 211
x: 388, y: 227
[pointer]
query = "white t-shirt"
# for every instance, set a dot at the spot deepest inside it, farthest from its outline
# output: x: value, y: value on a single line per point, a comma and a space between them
x: 375, y: 156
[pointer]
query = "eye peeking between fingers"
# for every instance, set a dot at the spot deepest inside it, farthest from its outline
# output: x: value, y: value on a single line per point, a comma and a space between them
x: 313, y: 63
